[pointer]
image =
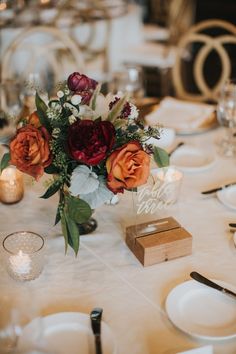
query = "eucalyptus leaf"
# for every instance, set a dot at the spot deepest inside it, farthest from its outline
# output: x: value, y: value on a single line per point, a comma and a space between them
x: 101, y: 195
x: 51, y: 190
x: 78, y: 210
x: 161, y: 157
x: 5, y: 161
x: 83, y: 180
x: 117, y: 108
x: 42, y: 112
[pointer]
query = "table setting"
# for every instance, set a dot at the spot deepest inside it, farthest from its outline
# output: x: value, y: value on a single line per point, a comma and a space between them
x: 156, y: 273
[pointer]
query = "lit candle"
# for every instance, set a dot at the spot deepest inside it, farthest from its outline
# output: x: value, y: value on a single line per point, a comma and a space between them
x: 167, y: 182
x: 11, y: 185
x: 20, y: 263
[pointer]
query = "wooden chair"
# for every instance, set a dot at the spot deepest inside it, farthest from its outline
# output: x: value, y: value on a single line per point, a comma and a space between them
x: 41, y: 49
x: 202, y: 42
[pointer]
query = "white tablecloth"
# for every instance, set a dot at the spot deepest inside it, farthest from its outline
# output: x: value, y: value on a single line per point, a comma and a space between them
x: 107, y: 274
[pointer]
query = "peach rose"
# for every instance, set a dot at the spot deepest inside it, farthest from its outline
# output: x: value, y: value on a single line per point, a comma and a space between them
x: 29, y: 150
x: 127, y: 167
x: 33, y: 119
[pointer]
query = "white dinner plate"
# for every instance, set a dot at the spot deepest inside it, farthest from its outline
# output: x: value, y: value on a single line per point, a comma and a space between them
x: 201, y: 311
x: 69, y: 330
x: 227, y: 196
x: 192, y: 159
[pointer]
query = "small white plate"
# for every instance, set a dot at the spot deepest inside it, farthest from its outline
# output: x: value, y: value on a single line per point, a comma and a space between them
x: 201, y: 311
x: 227, y: 196
x: 69, y: 330
x: 192, y: 159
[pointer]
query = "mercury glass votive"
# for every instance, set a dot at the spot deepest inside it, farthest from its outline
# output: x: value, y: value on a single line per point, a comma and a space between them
x: 24, y: 255
x: 167, y: 182
x: 11, y: 185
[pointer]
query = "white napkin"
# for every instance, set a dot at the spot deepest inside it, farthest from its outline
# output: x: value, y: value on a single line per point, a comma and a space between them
x: 180, y: 115
x: 208, y: 349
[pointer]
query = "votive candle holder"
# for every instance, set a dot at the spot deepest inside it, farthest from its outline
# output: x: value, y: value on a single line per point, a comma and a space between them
x: 24, y: 255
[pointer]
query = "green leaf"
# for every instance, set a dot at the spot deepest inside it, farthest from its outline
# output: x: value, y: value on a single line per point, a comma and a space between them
x: 5, y: 161
x: 161, y: 157
x: 64, y: 230
x: 78, y: 210
x: 52, y: 190
x: 42, y: 112
x: 94, y: 97
x: 58, y: 215
x: 117, y: 108
x: 73, y: 233
x: 119, y: 123
x: 51, y: 169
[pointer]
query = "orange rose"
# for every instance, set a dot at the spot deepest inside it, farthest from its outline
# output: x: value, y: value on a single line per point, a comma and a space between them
x: 30, y: 150
x: 127, y: 167
x: 33, y: 119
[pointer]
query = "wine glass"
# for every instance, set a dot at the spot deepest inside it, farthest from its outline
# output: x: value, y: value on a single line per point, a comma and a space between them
x: 129, y: 80
x: 226, y: 115
x: 16, y: 310
x: 9, y: 329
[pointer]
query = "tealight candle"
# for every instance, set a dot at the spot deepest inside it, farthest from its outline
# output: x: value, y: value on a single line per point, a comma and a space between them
x: 168, y: 180
x: 20, y: 263
x: 11, y: 185
x: 24, y: 255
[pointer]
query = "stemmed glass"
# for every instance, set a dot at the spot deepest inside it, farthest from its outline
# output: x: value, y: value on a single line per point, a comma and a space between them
x: 15, y: 313
x: 226, y: 115
x: 130, y: 80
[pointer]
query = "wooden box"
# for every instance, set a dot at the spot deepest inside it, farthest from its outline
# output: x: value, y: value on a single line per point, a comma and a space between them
x: 158, y: 241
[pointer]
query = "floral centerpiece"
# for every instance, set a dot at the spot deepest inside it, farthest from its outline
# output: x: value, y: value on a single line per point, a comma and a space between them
x: 95, y: 146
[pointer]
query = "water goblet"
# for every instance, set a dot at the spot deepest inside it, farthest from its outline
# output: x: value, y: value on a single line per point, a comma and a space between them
x: 226, y: 115
x: 129, y: 80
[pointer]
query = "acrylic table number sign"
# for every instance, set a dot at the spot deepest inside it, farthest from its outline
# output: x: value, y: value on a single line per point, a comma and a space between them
x: 162, y: 192
x: 24, y: 255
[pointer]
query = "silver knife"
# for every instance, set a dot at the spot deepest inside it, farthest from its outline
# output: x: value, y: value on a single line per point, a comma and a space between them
x: 96, y: 318
x: 218, y: 188
x: 200, y: 278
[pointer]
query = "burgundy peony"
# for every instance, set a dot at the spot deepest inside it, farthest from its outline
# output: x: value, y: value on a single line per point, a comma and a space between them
x: 89, y: 142
x: 78, y: 82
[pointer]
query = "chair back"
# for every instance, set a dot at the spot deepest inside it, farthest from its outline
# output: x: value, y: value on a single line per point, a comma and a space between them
x: 201, y: 47
x: 45, y: 50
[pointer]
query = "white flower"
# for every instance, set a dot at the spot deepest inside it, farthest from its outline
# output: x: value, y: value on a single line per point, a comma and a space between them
x: 134, y: 111
x: 85, y: 112
x: 60, y: 94
x: 102, y: 105
x: 72, y: 119
x: 73, y: 109
x: 56, y: 132
x: 76, y: 99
